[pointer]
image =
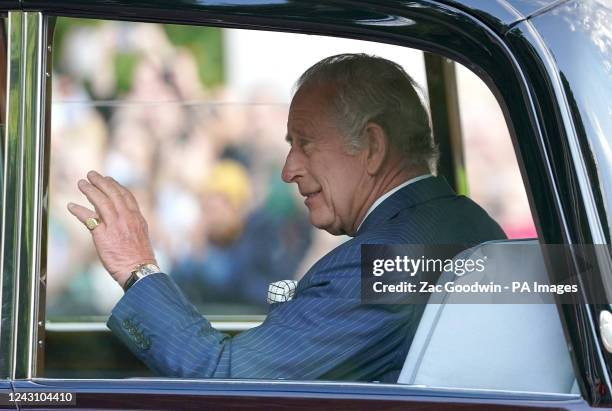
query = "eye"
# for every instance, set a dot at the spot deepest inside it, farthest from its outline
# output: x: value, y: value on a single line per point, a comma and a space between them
x: 304, y: 143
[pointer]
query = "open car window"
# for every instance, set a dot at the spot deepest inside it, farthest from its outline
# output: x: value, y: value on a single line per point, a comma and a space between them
x: 192, y: 120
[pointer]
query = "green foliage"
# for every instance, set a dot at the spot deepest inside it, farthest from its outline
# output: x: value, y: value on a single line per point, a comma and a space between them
x: 462, y: 183
x: 124, y: 71
x: 62, y: 27
x: 206, y: 44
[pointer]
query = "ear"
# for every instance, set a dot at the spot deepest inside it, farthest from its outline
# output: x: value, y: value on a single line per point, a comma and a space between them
x: 377, y: 147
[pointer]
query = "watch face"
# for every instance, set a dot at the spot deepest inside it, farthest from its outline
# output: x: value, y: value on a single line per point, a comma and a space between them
x: 140, y: 272
x: 148, y: 269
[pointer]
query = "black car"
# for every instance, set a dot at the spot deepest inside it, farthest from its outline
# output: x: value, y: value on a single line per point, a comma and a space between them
x: 548, y: 63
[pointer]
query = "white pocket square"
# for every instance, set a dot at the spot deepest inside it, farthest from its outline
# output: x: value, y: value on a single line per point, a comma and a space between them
x: 281, y: 291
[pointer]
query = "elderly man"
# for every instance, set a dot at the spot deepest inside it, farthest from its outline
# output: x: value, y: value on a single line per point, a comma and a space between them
x: 362, y: 155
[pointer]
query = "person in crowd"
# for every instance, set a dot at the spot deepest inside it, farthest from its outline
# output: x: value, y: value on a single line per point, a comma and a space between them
x: 243, y: 250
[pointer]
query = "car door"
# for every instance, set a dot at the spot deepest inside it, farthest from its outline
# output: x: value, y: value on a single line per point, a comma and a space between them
x: 6, y: 396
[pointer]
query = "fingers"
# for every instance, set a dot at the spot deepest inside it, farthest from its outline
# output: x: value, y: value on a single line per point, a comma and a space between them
x: 128, y: 197
x: 124, y: 239
x: 107, y: 196
x: 103, y: 205
x: 108, y: 186
x: 121, y: 196
x: 80, y: 212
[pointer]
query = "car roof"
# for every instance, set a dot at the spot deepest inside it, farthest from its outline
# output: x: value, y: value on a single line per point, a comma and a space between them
x: 501, y: 14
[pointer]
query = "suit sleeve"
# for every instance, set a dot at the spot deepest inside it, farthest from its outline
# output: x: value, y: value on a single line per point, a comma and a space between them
x: 325, y: 332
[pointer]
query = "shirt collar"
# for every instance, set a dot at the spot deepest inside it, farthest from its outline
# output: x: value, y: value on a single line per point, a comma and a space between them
x: 389, y: 193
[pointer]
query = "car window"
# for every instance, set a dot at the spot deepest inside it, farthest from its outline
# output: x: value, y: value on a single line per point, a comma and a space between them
x: 192, y: 120
x: 492, y: 173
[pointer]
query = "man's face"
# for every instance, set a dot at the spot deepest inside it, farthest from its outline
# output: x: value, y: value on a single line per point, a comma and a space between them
x: 330, y: 179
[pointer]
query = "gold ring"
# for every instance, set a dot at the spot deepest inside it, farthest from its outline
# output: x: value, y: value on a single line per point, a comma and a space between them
x: 92, y: 223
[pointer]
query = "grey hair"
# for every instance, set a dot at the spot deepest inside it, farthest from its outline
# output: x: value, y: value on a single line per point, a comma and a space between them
x: 373, y: 89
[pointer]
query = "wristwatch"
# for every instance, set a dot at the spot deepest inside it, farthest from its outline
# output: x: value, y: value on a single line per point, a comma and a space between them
x: 140, y: 272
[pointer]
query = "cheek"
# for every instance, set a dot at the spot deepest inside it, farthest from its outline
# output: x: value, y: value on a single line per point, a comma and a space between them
x: 343, y: 200
x: 339, y: 178
x: 338, y: 193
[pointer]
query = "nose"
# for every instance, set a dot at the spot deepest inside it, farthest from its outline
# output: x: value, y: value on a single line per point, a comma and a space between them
x: 293, y: 168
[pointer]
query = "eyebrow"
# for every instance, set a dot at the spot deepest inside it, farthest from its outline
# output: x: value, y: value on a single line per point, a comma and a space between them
x: 297, y: 136
x: 289, y: 139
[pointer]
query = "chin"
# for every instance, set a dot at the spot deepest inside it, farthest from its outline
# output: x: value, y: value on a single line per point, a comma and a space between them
x: 323, y: 223
x: 334, y: 231
x: 329, y: 227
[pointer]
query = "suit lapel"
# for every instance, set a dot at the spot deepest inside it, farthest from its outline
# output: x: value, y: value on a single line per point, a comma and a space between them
x: 413, y: 194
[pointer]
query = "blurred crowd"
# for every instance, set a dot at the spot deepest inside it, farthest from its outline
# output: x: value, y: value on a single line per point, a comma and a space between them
x: 493, y: 176
x: 204, y: 163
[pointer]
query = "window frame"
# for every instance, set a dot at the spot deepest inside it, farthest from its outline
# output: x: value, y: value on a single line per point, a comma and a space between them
x: 23, y: 256
x: 465, y: 39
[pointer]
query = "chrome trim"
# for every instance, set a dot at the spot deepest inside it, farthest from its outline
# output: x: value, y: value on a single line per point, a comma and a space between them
x: 101, y: 327
x: 23, y: 191
x: 10, y: 216
x: 4, y: 345
x: 365, y: 387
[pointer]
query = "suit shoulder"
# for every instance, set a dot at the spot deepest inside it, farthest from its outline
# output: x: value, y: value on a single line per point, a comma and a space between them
x: 453, y: 219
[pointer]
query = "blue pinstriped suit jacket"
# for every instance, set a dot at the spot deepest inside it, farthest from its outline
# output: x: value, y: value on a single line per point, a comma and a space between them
x: 324, y: 332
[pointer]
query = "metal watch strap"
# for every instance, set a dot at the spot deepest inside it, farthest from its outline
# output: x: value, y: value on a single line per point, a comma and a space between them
x: 140, y: 272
